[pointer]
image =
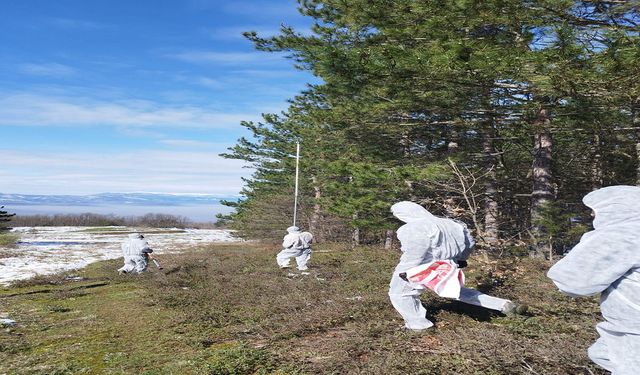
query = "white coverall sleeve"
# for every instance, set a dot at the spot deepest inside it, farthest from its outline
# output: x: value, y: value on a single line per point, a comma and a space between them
x: 469, y: 245
x: 288, y: 241
x: 416, y: 247
x: 590, y: 267
x: 413, y: 239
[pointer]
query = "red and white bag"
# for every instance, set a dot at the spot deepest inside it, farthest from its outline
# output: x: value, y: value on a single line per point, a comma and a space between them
x: 442, y: 276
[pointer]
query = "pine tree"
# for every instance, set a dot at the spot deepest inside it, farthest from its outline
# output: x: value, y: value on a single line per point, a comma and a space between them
x: 529, y: 99
x: 5, y: 218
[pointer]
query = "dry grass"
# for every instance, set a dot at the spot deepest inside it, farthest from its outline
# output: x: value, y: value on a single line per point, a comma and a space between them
x: 228, y: 309
x: 8, y: 239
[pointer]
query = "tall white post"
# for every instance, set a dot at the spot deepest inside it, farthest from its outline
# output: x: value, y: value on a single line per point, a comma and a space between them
x: 295, y: 199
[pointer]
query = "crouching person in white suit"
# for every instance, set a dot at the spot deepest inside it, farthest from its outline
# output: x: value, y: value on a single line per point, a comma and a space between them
x: 136, y: 253
x: 297, y: 245
x: 426, y: 238
x: 607, y: 261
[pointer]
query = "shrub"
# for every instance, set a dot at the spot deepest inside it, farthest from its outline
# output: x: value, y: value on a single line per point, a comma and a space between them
x: 8, y: 239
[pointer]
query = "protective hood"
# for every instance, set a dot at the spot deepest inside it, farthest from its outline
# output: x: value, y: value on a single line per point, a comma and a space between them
x: 293, y: 229
x: 409, y: 211
x: 446, y: 236
x: 614, y: 205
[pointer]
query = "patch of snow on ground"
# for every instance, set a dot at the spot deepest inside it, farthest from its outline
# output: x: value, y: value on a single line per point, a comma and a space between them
x: 48, y: 250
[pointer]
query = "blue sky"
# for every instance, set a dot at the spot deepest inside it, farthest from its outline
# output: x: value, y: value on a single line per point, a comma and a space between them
x: 121, y: 96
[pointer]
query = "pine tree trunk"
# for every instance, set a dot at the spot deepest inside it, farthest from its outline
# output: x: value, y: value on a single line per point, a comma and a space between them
x: 542, y: 188
x: 638, y: 169
x: 454, y: 142
x: 635, y: 120
x: 596, y: 166
x: 490, y: 202
x: 388, y: 239
x: 355, y: 236
x: 315, y: 216
x: 405, y: 143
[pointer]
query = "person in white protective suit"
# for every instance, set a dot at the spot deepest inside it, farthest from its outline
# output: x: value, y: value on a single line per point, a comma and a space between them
x: 426, y: 238
x: 297, y: 245
x: 136, y: 253
x: 607, y: 261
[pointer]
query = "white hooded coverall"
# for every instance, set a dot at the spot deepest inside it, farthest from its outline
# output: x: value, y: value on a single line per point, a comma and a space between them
x: 425, y: 238
x: 607, y: 261
x: 134, y: 249
x: 296, y: 244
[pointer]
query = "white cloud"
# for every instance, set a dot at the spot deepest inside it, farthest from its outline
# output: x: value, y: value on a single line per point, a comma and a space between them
x: 258, y: 82
x: 249, y: 8
x: 202, y: 81
x: 209, y: 57
x: 270, y: 74
x: 144, y: 170
x: 262, y: 8
x: 47, y: 70
x: 235, y: 33
x: 140, y: 132
x: 208, y: 82
x: 188, y: 143
x: 36, y: 109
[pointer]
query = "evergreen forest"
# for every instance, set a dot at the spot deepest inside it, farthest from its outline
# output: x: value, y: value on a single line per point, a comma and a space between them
x: 501, y: 113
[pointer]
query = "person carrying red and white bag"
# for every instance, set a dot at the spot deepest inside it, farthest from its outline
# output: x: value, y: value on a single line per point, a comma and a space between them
x: 441, y: 276
x: 433, y: 251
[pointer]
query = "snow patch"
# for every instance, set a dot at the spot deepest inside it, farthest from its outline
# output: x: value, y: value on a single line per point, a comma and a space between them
x: 48, y: 250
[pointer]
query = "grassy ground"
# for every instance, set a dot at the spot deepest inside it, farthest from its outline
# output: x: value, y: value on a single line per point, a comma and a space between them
x: 8, y: 239
x: 227, y: 309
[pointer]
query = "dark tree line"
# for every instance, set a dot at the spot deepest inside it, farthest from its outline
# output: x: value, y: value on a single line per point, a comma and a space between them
x: 89, y: 219
x: 503, y: 113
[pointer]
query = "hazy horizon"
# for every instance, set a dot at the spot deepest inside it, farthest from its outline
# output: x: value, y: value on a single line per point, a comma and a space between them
x: 197, y: 213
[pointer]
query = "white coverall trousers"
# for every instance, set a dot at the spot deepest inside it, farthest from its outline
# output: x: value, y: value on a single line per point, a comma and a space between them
x: 406, y: 300
x: 302, y: 257
x: 612, y: 351
x: 134, y: 264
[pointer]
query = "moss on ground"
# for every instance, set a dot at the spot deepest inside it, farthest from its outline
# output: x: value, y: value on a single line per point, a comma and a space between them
x: 227, y: 309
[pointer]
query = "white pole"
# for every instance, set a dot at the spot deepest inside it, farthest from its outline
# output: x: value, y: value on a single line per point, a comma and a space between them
x: 295, y: 199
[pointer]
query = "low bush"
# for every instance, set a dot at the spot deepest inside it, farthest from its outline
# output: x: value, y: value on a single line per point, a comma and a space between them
x: 8, y: 239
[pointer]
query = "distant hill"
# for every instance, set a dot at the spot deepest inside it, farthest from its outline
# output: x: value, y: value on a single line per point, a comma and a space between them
x: 126, y: 199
